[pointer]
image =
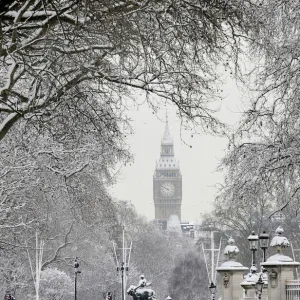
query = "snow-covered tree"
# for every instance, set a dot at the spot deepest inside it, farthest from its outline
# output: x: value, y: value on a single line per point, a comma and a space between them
x: 84, y: 59
x: 189, y: 279
x: 57, y: 188
x: 56, y: 285
x: 264, y: 156
x: 276, y: 71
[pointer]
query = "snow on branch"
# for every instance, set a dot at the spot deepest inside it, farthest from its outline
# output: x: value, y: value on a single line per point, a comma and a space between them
x: 8, y: 122
x: 81, y: 49
x: 29, y: 14
x: 10, y: 80
x: 38, y: 15
x: 77, y: 170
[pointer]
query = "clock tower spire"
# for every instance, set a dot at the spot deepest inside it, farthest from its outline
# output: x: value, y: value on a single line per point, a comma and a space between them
x: 167, y: 180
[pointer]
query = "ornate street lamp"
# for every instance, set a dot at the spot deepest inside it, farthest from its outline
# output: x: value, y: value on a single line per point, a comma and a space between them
x: 253, y: 243
x: 76, y: 266
x: 212, y: 289
x: 259, y: 287
x: 264, y: 243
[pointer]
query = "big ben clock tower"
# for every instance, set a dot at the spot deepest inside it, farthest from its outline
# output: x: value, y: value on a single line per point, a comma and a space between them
x: 167, y: 181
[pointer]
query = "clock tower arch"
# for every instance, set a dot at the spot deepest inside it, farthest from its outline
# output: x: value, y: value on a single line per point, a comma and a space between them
x: 167, y: 181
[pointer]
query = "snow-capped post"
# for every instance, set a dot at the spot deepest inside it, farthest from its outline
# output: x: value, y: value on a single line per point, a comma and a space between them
x: 255, y: 283
x: 280, y: 267
x: 231, y: 272
x: 249, y: 282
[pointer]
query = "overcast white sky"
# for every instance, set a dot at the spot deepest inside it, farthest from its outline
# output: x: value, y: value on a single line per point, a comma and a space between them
x: 198, y: 164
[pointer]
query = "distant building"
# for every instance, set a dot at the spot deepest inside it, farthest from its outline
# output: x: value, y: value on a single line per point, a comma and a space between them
x: 188, y: 228
x: 173, y: 224
x: 167, y: 182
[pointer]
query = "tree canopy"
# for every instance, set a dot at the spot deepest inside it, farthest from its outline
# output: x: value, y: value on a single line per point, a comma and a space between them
x: 263, y: 157
x: 85, y: 59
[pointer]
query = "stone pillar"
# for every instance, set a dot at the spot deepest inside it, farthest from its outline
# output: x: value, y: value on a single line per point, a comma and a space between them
x: 231, y: 273
x: 280, y: 267
x: 250, y: 280
x: 264, y: 277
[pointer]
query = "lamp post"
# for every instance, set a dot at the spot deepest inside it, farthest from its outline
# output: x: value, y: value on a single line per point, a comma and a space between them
x: 76, y: 266
x: 259, y: 287
x: 212, y: 289
x: 122, y: 276
x: 124, y: 265
x: 122, y: 269
x: 253, y: 243
x: 264, y: 243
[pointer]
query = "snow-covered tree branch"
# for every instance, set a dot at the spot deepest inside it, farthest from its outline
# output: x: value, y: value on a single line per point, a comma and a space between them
x: 54, y: 50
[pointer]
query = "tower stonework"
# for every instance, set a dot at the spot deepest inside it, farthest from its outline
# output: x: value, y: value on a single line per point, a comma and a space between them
x: 167, y: 181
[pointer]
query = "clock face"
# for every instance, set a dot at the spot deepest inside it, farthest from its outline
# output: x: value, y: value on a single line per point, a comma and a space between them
x: 167, y: 189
